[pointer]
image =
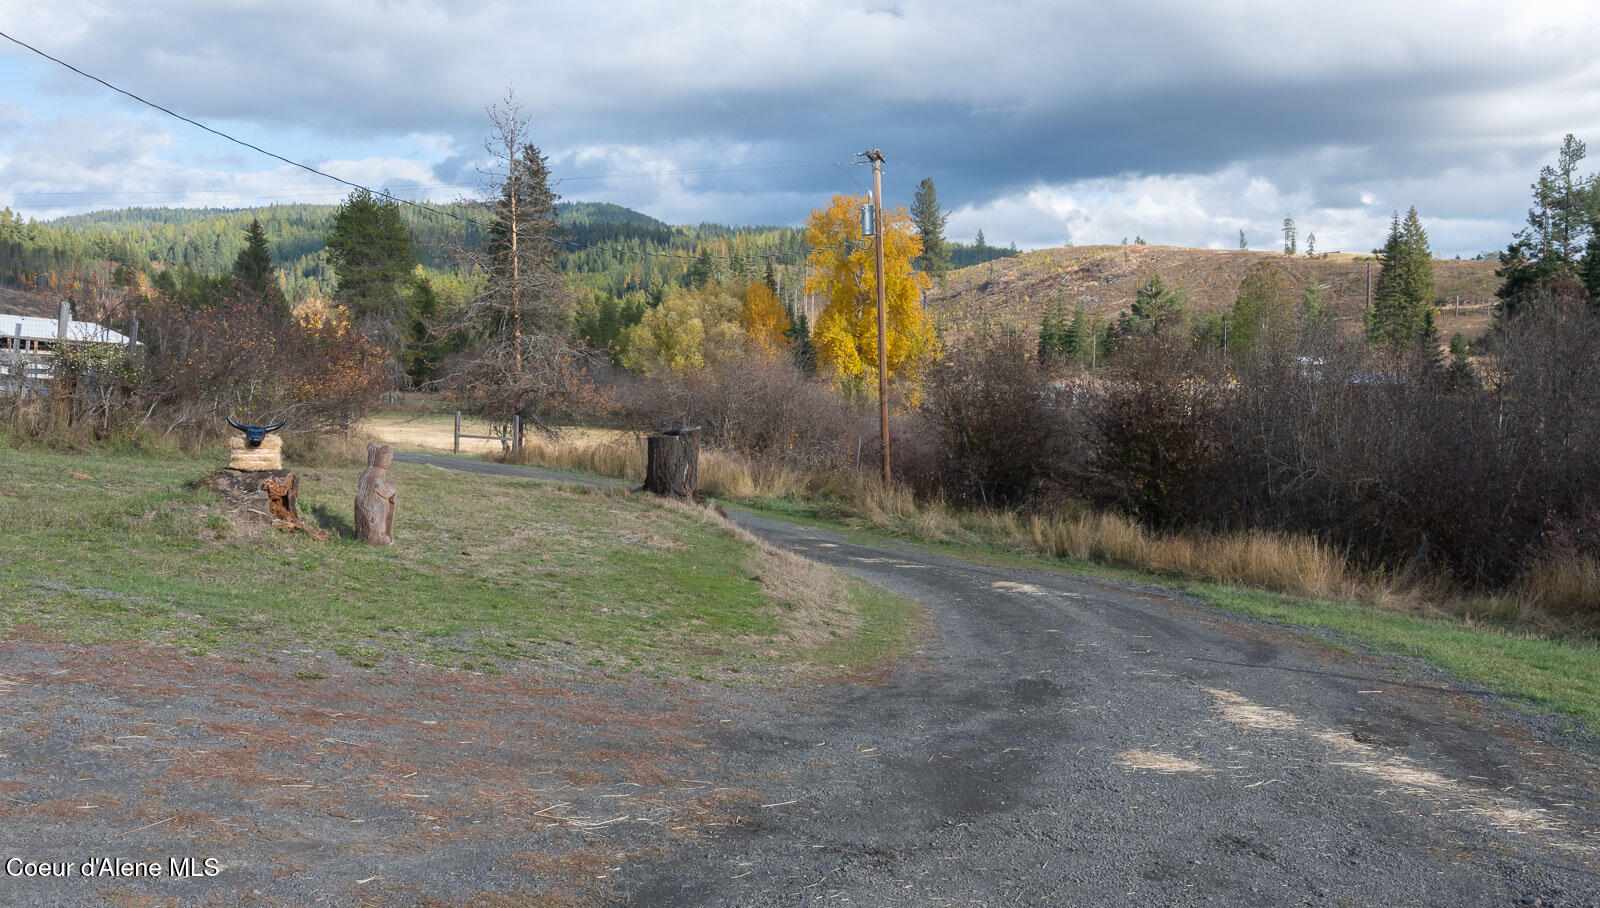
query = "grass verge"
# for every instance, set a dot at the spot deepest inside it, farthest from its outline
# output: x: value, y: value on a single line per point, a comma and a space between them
x: 111, y: 547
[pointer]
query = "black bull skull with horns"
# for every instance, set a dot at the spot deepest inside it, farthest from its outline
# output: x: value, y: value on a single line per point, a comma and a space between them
x: 255, y: 435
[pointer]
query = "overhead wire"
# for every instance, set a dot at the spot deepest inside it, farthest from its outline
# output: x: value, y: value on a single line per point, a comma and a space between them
x: 384, y: 193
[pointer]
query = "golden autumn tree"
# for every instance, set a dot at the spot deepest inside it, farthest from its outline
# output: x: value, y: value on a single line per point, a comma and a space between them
x: 765, y: 324
x: 844, y: 273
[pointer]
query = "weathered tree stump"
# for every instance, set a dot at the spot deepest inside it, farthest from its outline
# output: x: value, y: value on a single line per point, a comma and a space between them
x: 375, y: 499
x: 262, y: 497
x: 672, y: 463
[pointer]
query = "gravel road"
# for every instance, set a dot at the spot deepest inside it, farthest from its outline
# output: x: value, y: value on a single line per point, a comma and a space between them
x: 1066, y: 741
x: 1053, y: 740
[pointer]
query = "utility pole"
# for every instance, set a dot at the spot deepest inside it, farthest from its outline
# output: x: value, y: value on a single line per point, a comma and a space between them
x: 876, y: 157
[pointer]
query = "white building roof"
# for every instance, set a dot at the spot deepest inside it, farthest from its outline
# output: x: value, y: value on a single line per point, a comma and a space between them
x: 45, y: 329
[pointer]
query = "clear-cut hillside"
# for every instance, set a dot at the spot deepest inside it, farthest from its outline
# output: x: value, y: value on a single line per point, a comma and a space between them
x: 1016, y: 290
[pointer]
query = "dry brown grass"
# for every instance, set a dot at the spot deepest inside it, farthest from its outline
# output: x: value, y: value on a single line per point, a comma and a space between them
x: 1276, y: 561
x: 1556, y: 590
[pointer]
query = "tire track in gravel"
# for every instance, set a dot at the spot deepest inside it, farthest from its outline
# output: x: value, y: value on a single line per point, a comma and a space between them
x: 1063, y: 740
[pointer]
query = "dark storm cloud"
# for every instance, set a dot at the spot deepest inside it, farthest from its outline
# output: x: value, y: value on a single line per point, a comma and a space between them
x: 1344, y: 109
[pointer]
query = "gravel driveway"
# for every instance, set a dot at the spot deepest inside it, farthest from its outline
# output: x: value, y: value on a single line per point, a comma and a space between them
x: 1053, y: 740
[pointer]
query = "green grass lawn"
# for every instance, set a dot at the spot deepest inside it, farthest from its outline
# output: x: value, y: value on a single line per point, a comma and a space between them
x: 1555, y: 674
x: 484, y: 569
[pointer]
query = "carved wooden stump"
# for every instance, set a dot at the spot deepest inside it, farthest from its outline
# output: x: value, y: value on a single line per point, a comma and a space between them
x: 375, y: 499
x: 672, y: 463
x: 263, y: 497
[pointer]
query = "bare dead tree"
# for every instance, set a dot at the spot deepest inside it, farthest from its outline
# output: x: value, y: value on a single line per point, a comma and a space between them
x: 520, y: 360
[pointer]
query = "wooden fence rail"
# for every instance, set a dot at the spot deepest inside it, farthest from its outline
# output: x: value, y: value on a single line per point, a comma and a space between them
x: 514, y: 441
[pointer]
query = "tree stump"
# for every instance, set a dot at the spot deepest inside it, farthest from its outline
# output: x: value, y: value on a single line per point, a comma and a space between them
x: 672, y: 463
x: 262, y: 497
x: 375, y: 499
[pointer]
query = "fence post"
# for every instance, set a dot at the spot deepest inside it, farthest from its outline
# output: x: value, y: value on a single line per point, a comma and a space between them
x: 457, y: 448
x: 516, y: 437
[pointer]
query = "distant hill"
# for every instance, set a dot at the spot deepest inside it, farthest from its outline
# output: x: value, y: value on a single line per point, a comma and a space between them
x: 1016, y: 290
x: 607, y: 248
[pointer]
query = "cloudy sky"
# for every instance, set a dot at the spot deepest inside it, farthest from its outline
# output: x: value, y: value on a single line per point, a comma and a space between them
x: 1041, y: 123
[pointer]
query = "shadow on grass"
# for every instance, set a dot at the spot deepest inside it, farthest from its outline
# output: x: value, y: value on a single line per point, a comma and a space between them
x: 333, y: 523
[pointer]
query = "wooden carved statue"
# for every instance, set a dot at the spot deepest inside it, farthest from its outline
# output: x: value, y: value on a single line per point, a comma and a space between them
x: 375, y: 499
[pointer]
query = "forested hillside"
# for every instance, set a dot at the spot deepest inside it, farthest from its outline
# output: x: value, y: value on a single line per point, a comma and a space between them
x: 605, y: 247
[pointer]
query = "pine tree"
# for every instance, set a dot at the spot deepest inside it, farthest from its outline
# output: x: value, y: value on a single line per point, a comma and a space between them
x: 1589, y: 271
x: 1155, y: 310
x: 1311, y: 244
x: 1401, y: 313
x: 1314, y: 314
x: 520, y: 322
x: 1288, y: 235
x: 1243, y: 243
x: 1460, y: 375
x: 1052, y: 334
x: 1263, y: 312
x: 1562, y: 204
x: 702, y: 271
x: 930, y: 221
x: 370, y: 250
x: 253, y: 268
x: 253, y: 273
x: 805, y: 354
x: 771, y: 278
x: 1075, y: 345
x: 1565, y: 209
x: 1419, y: 282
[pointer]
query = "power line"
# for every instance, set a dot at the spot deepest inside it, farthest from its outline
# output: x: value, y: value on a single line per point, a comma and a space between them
x: 419, y: 206
x: 306, y: 167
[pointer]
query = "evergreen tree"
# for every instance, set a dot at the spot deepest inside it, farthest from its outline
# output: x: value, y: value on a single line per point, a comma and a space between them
x: 1075, y: 345
x: 930, y: 221
x: 253, y: 268
x: 1563, y: 204
x: 1311, y: 244
x: 252, y: 271
x: 1401, y: 313
x: 1243, y: 243
x: 523, y: 363
x: 1155, y: 310
x: 771, y: 278
x: 1460, y: 375
x: 1052, y: 334
x: 1314, y: 314
x: 805, y: 354
x: 370, y: 250
x: 1589, y: 271
x: 1564, y: 212
x: 701, y: 272
x: 1263, y: 312
x: 1288, y: 235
